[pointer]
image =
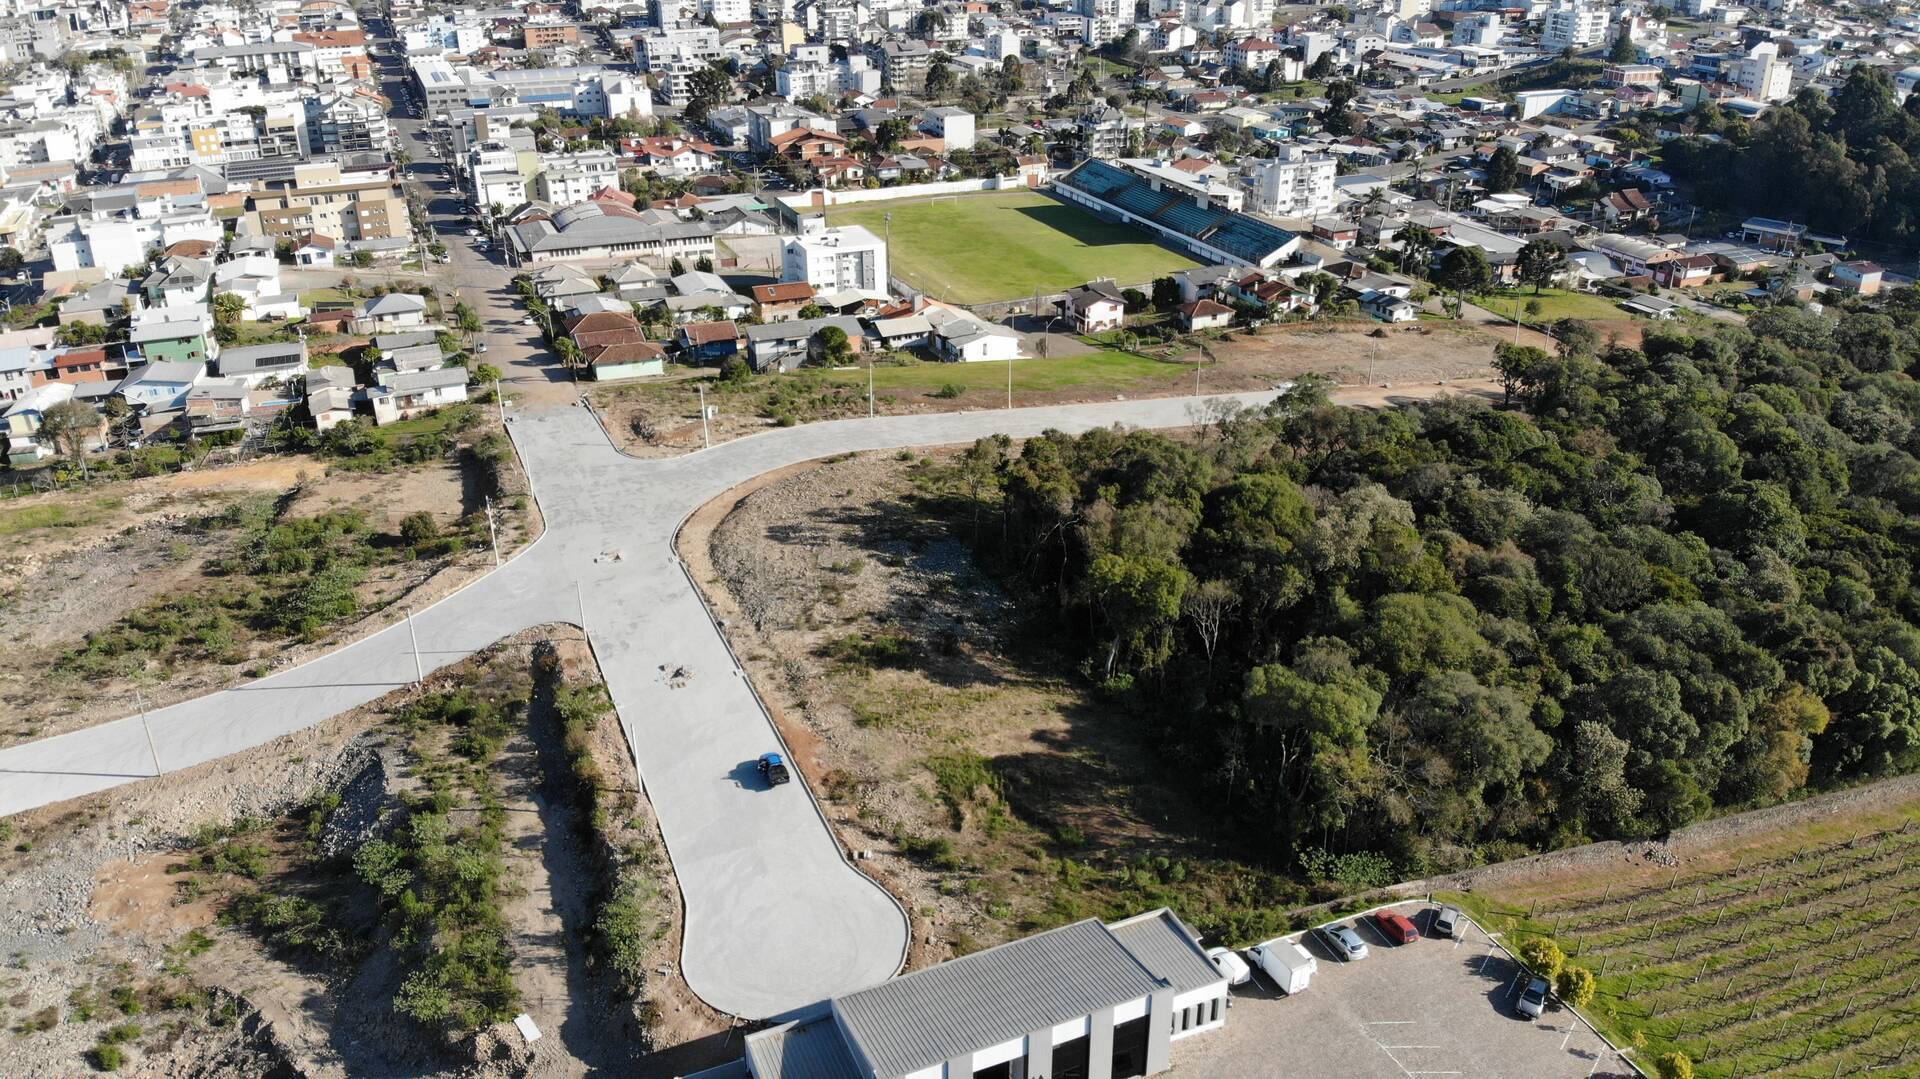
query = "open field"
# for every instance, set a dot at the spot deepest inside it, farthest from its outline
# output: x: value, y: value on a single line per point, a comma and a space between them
x: 662, y: 418
x: 1555, y: 304
x: 1006, y: 244
x: 1786, y: 952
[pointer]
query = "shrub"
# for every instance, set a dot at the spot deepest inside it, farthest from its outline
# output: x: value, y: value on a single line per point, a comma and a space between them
x: 1674, y: 1065
x: 106, y: 1058
x: 1575, y: 986
x: 418, y: 528
x: 1543, y: 957
x: 948, y: 391
x: 626, y: 926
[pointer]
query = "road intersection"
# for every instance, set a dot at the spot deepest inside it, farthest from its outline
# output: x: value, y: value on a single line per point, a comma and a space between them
x: 777, y: 917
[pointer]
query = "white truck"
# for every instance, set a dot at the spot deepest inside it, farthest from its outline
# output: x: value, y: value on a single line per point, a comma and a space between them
x: 1286, y: 962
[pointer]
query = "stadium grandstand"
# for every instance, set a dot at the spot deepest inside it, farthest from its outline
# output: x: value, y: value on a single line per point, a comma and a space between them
x: 1208, y: 233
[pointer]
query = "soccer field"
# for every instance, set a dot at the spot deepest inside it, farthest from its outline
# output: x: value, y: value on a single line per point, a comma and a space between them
x: 1004, y: 245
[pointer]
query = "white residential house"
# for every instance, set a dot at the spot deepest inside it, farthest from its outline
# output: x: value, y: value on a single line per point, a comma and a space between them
x: 161, y: 386
x: 405, y: 396
x: 953, y: 126
x: 961, y: 337
x: 255, y: 364
x: 835, y: 258
x: 394, y: 311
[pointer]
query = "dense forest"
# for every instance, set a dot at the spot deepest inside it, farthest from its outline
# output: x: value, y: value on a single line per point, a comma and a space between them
x: 1659, y: 582
x: 1845, y: 163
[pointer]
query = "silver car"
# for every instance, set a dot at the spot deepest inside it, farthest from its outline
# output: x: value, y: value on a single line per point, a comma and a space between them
x: 1343, y: 942
x: 1445, y: 921
x: 1534, y: 1000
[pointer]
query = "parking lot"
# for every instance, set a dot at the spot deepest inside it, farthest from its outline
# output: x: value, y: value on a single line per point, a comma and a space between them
x: 1435, y: 1007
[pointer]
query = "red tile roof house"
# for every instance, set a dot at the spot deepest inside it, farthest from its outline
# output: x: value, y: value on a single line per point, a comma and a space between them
x: 708, y: 341
x: 1205, y: 315
x: 603, y: 328
x: 782, y: 301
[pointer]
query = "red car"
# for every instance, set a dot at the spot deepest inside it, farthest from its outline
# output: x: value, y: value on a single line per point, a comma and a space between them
x: 1395, y: 926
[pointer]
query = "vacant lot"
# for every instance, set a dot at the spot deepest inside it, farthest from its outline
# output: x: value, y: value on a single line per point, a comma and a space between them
x: 1007, y: 244
x: 663, y: 418
x: 1783, y: 951
x: 997, y: 793
x: 150, y: 591
x: 1433, y: 1007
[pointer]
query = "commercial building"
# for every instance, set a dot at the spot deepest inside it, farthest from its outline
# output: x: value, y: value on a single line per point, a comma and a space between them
x: 600, y: 230
x: 1085, y: 1000
x: 831, y: 259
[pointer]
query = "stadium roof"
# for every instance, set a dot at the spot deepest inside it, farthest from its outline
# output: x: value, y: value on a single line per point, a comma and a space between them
x: 1248, y: 239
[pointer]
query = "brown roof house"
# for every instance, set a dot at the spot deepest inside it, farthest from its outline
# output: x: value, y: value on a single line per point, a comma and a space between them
x: 781, y: 301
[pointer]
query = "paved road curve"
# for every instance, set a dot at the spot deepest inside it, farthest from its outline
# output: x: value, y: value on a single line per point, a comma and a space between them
x: 776, y: 917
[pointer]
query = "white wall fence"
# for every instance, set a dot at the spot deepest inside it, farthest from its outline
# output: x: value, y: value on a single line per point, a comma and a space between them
x: 821, y: 198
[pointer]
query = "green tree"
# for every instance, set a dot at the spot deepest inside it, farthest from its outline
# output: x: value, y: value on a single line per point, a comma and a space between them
x: 81, y: 333
x: 1465, y: 270
x: 1540, y: 263
x: 1623, y: 50
x: 67, y: 426
x: 1575, y: 986
x: 835, y: 348
x: 1543, y: 957
x: 1139, y: 601
x: 1503, y: 171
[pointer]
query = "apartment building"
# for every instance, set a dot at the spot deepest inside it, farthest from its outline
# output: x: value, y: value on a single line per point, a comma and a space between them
x: 320, y: 197
x: 565, y: 179
x: 1574, y: 24
x: 1292, y: 184
x: 831, y: 259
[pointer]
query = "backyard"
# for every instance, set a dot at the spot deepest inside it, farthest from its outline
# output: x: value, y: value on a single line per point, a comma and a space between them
x: 1006, y: 245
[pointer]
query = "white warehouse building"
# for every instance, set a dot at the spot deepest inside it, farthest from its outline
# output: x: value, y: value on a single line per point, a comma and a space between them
x: 1086, y: 1000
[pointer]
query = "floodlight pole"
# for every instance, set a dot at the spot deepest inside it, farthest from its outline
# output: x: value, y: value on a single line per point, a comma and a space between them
x: 706, y: 440
x: 493, y: 534
x: 419, y: 675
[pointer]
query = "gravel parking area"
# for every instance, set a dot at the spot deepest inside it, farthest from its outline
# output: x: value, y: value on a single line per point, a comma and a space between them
x: 1435, y: 1007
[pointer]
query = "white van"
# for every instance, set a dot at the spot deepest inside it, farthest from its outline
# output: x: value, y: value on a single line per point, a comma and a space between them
x: 1286, y: 962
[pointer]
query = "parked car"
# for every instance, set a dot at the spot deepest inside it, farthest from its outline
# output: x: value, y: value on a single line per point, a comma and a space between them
x: 1343, y: 942
x: 1395, y: 926
x: 773, y: 769
x: 1446, y: 920
x: 479, y: 348
x: 473, y: 232
x: 1230, y: 965
x: 1534, y: 1000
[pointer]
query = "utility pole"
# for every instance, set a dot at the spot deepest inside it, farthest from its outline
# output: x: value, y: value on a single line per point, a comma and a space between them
x: 869, y: 385
x: 493, y: 534
x: 580, y: 601
x: 706, y: 440
x: 141, y: 704
x: 1010, y: 356
x: 419, y: 675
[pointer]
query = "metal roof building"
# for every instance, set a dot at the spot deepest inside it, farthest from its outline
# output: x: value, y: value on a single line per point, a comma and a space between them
x: 1084, y: 1001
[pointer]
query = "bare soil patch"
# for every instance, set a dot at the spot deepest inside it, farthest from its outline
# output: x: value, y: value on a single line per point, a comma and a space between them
x: 96, y: 889
x: 983, y: 784
x: 114, y: 548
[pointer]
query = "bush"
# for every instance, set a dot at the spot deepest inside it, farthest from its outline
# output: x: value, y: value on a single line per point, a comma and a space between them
x: 949, y: 391
x: 106, y: 1058
x: 1575, y: 986
x: 627, y: 926
x: 418, y: 528
x: 1674, y: 1065
x: 1543, y: 957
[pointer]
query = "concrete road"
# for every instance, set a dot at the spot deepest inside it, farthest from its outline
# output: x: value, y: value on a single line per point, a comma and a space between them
x: 776, y: 915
